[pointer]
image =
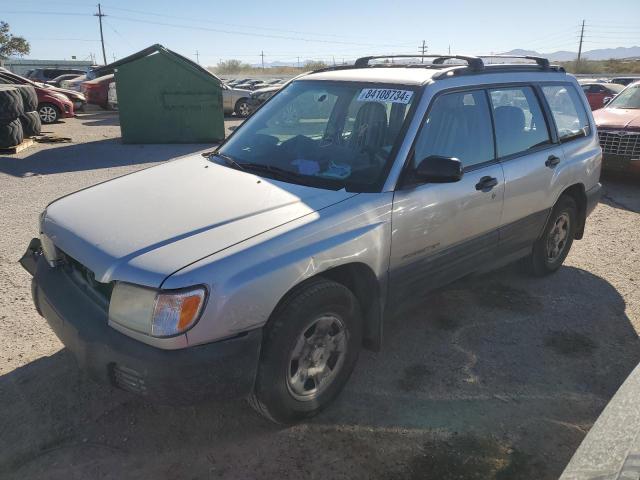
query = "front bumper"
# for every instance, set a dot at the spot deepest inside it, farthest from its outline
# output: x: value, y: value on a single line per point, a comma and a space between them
x: 223, y: 369
x: 620, y: 163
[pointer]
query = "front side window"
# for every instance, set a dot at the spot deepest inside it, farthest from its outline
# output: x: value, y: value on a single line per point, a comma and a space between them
x: 567, y: 110
x: 628, y: 98
x: 519, y: 122
x: 458, y: 125
x: 325, y: 134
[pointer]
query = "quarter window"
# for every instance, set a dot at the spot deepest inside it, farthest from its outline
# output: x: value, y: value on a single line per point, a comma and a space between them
x: 519, y: 122
x: 567, y: 110
x: 459, y: 126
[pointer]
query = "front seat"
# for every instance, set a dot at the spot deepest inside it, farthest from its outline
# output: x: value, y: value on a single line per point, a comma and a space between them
x: 510, y: 129
x: 370, y: 127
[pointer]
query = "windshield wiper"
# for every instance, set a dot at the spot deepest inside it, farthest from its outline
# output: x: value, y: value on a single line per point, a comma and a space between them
x: 272, y: 170
x: 227, y: 159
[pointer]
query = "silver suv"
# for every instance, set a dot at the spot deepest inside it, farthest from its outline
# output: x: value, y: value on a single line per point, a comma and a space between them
x: 261, y: 268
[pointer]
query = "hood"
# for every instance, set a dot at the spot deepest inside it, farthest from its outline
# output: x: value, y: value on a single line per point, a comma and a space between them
x: 144, y: 226
x: 617, y: 118
x: 69, y: 93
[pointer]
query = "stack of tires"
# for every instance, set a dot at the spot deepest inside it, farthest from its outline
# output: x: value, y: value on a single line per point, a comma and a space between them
x: 19, y: 118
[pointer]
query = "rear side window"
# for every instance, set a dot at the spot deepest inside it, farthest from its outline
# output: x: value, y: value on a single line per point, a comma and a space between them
x: 459, y: 126
x: 518, y: 118
x: 567, y: 110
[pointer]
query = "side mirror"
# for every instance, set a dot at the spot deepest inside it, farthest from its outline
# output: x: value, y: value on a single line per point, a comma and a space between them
x: 606, y: 100
x: 438, y: 169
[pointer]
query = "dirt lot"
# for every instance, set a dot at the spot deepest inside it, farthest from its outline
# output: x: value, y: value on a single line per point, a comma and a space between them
x: 497, y: 376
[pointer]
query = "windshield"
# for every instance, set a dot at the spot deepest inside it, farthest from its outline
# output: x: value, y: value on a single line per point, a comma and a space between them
x: 326, y: 134
x: 628, y: 98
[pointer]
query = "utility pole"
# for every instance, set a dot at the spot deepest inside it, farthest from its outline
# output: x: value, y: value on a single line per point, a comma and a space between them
x: 262, y: 56
x: 114, y: 56
x: 197, y: 57
x: 100, y: 15
x: 449, y: 49
x: 298, y: 62
x: 423, y: 49
x: 580, y: 46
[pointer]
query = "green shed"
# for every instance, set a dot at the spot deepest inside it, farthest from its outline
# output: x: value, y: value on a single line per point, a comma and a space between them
x: 164, y: 97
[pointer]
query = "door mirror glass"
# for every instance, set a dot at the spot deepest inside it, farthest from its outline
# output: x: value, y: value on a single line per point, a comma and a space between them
x: 439, y: 169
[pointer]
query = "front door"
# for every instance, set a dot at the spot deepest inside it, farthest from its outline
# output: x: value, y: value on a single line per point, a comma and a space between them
x: 441, y: 232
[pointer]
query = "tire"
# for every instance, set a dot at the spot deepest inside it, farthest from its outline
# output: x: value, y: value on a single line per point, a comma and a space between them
x: 48, y: 112
x: 29, y: 97
x: 11, y: 106
x: 242, y: 108
x: 31, y: 123
x: 11, y: 134
x: 551, y: 249
x: 317, y: 312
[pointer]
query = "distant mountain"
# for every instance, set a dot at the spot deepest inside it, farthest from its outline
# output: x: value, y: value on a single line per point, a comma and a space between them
x: 598, y: 54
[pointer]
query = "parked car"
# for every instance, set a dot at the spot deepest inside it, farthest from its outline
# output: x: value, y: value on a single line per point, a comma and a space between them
x: 619, y: 131
x: 45, y: 74
x: 349, y: 194
x: 233, y: 83
x: 74, y: 84
x: 97, y: 90
x: 112, y: 96
x: 251, y: 85
x: 56, y: 81
x: 625, y: 80
x: 235, y: 100
x: 599, y: 94
x: 52, y: 104
x: 258, y: 97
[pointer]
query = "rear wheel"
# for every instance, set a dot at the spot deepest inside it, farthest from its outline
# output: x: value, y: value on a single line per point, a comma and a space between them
x: 311, y: 347
x: 551, y: 249
x: 48, y: 113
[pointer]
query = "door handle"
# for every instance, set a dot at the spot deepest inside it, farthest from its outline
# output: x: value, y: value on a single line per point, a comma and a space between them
x: 486, y: 183
x: 552, y: 161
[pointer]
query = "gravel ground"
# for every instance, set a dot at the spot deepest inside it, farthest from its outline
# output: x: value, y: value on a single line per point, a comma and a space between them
x: 497, y: 376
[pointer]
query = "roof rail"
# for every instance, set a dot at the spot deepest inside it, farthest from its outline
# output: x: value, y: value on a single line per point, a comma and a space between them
x: 475, y: 63
x: 541, y: 61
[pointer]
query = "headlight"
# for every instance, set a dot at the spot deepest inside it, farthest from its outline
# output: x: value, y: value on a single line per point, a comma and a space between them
x: 159, y: 313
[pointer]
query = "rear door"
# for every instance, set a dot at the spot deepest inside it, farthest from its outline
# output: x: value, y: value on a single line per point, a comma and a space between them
x: 531, y: 160
x: 442, y: 231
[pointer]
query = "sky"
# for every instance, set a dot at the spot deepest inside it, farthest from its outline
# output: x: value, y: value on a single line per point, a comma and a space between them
x: 286, y: 31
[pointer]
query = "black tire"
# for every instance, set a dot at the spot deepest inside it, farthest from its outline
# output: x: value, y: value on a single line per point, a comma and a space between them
x: 29, y: 97
x: 11, y: 134
x: 31, y: 123
x: 542, y: 260
x: 273, y: 396
x: 11, y: 106
x: 242, y: 108
x: 48, y: 112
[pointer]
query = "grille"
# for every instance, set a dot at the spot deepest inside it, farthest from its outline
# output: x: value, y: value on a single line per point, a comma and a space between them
x: 86, y: 279
x: 620, y: 143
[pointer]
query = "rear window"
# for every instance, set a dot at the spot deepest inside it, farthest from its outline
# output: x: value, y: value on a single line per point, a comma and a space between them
x: 567, y: 110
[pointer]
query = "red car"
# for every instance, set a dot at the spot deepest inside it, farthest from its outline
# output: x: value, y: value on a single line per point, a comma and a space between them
x: 619, y: 131
x: 97, y: 90
x: 599, y: 94
x: 52, y: 103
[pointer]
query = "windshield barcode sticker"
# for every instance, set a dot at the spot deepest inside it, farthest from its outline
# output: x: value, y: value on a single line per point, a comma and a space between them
x: 387, y: 95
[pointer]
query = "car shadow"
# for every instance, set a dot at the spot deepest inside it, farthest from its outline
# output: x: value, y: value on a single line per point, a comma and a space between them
x: 495, y: 376
x: 100, y: 119
x: 626, y: 188
x: 108, y: 153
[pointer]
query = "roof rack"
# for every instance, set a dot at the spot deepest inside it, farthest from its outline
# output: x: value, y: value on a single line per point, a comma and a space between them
x: 475, y: 63
x: 541, y: 61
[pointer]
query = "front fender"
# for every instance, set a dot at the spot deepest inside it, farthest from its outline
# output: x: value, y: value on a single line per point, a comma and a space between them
x: 248, y: 280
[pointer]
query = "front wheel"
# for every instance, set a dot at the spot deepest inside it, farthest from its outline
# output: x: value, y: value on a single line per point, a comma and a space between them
x: 48, y: 113
x: 311, y: 347
x: 243, y: 109
x: 551, y: 249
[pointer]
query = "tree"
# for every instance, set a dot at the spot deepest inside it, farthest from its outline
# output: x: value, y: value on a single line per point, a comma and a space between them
x: 314, y: 65
x: 10, y: 44
x: 231, y: 66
